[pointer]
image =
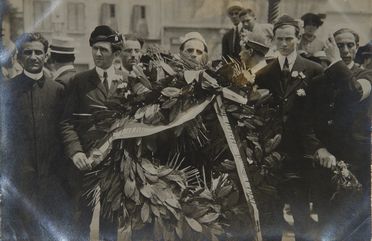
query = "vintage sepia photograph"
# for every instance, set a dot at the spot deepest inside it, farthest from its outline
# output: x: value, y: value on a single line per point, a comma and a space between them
x: 185, y: 120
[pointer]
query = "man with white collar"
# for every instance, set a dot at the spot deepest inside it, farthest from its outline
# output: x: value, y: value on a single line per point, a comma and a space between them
x: 30, y: 114
x: 289, y: 79
x: 343, y: 123
x: 231, y: 39
x: 89, y: 88
x: 62, y: 57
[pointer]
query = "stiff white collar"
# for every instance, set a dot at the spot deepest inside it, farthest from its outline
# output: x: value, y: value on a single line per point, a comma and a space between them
x: 33, y: 76
x: 351, y: 65
x: 291, y: 59
x: 258, y: 66
x: 62, y: 69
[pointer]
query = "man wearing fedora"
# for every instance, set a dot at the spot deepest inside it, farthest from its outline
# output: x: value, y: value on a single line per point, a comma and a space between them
x: 89, y: 88
x: 289, y: 78
x: 61, y: 60
x: 231, y: 39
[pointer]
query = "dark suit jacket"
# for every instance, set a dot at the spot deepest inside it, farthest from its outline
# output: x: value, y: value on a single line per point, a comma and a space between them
x: 343, y: 122
x: 65, y: 77
x: 295, y: 108
x: 227, y: 45
x: 86, y: 89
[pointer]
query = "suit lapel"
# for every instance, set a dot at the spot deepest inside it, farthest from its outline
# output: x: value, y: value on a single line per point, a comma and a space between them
x: 100, y: 92
x: 294, y: 83
x: 275, y: 81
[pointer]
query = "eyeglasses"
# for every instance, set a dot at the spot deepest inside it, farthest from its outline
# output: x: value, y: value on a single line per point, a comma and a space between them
x: 28, y: 52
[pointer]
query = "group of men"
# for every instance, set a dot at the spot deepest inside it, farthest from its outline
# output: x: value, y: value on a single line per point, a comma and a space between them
x: 325, y: 114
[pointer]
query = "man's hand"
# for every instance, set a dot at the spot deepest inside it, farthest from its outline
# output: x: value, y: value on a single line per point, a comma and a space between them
x: 331, y: 49
x: 81, y: 161
x: 325, y: 158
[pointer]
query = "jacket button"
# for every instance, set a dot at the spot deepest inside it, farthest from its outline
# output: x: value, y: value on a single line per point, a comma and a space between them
x: 332, y: 105
x: 330, y: 122
x: 285, y: 100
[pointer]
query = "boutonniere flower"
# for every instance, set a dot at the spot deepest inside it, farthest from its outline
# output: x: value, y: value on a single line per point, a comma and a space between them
x: 294, y: 74
x: 301, y: 92
x: 122, y: 85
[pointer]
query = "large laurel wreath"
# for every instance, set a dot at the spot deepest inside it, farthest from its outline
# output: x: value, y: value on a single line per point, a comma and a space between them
x: 180, y: 182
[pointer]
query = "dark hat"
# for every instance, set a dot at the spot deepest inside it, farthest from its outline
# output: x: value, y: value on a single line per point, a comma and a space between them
x: 313, y: 19
x: 255, y: 41
x: 104, y: 33
x: 367, y: 49
x: 286, y: 20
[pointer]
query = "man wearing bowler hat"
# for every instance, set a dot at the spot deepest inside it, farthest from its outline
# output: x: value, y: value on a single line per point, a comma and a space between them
x: 62, y: 57
x: 89, y: 88
x: 289, y: 78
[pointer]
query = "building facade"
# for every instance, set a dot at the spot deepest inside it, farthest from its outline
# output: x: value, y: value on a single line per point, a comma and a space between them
x: 164, y: 21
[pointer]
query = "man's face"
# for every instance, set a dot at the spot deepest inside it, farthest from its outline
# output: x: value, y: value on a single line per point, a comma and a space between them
x: 102, y: 55
x: 347, y: 46
x: 234, y: 15
x: 247, y: 21
x: 194, y: 49
x: 131, y: 54
x: 286, y: 40
x: 32, y: 56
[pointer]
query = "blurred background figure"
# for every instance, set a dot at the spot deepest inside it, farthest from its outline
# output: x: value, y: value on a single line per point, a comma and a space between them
x: 131, y: 53
x: 9, y: 65
x: 364, y: 56
x: 310, y: 43
x: 231, y: 39
x: 248, y: 21
x: 61, y: 60
x: 320, y: 58
x: 193, y: 47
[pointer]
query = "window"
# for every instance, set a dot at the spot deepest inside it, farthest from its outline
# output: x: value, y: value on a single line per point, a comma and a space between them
x: 40, y: 9
x: 75, y: 17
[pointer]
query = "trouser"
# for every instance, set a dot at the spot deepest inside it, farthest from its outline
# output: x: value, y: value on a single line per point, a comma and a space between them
x: 83, y: 213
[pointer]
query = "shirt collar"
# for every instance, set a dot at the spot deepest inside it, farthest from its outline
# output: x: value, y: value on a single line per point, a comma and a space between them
x: 33, y: 76
x: 291, y: 59
x: 351, y: 65
x: 63, y: 69
x: 110, y: 72
x: 258, y: 66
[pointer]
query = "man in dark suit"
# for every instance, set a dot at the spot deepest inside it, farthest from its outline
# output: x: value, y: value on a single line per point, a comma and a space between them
x: 31, y: 147
x: 62, y: 57
x: 289, y: 78
x: 92, y: 87
x: 231, y: 39
x: 343, y: 122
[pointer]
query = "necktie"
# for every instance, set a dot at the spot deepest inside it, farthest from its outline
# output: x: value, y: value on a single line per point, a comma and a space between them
x: 285, y: 72
x: 235, y: 39
x: 105, y: 81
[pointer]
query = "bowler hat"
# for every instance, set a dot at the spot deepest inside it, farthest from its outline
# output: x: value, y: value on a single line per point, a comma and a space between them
x: 286, y: 20
x: 62, y: 45
x: 104, y: 33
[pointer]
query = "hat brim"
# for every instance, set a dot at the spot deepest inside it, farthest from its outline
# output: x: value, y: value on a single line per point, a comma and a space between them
x: 62, y: 52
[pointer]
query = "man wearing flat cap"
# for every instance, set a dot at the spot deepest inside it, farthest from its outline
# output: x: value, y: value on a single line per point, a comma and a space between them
x: 288, y: 78
x: 61, y: 60
x: 309, y: 43
x: 193, y: 47
x: 231, y: 39
x: 92, y: 87
x: 253, y: 52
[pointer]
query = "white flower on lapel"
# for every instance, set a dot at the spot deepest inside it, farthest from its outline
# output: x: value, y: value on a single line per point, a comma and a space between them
x: 301, y: 92
x: 294, y: 74
x: 302, y: 75
x: 122, y: 85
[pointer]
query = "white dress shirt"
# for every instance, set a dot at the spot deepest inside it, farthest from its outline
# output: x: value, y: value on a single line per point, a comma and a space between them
x: 291, y: 60
x: 111, y: 75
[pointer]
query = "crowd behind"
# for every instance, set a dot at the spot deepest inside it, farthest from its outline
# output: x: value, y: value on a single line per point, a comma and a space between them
x: 45, y: 154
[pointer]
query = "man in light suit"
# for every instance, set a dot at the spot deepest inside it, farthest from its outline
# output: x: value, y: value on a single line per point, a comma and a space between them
x: 289, y: 78
x: 231, y: 39
x: 92, y: 87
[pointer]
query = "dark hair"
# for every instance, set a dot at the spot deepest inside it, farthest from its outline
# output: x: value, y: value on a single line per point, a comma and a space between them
x: 313, y: 19
x: 247, y: 11
x: 347, y: 30
x: 62, y: 58
x: 133, y: 37
x: 31, y: 37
